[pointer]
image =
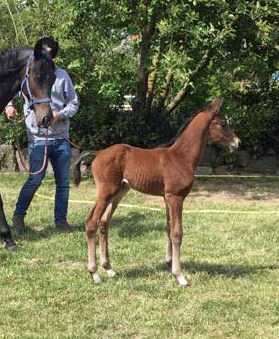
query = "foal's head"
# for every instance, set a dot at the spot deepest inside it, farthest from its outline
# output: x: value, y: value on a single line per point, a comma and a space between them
x: 39, y: 78
x: 219, y: 130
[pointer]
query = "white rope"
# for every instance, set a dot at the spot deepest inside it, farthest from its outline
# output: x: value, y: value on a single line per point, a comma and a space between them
x: 162, y: 209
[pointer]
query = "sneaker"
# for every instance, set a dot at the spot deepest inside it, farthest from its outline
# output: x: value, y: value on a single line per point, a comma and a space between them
x: 18, y: 223
x: 63, y: 226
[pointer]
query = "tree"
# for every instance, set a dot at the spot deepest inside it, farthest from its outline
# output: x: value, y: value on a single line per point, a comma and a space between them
x: 195, y: 49
x: 169, y: 56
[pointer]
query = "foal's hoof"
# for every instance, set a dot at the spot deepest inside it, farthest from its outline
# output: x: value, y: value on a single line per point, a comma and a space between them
x: 182, y: 281
x: 111, y: 273
x: 96, y: 277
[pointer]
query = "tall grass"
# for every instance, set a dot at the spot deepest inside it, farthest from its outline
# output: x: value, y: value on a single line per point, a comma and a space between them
x: 231, y: 260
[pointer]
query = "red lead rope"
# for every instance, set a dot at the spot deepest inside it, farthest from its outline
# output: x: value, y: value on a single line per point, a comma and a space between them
x: 21, y: 157
x: 45, y: 151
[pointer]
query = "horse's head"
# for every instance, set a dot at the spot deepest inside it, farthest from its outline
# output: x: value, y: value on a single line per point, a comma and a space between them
x: 37, y: 84
x: 219, y: 130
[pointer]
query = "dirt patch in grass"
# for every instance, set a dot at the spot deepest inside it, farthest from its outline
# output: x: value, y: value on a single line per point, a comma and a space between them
x: 34, y: 261
x: 68, y: 264
x: 221, y: 196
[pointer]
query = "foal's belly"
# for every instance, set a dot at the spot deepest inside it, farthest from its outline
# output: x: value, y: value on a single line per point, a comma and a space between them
x: 144, y: 171
x: 146, y: 185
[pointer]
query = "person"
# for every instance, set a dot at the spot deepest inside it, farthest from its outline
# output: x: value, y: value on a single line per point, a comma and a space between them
x: 64, y: 105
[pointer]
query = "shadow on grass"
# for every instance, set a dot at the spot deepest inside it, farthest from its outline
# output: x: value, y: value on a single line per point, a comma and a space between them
x: 131, y: 226
x: 137, y: 224
x: 229, y: 271
x: 35, y: 233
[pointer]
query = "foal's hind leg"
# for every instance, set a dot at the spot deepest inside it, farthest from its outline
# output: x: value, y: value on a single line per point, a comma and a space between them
x: 103, y: 230
x: 92, y: 224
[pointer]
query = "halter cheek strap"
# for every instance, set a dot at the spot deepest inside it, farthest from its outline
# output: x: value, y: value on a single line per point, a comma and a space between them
x: 31, y: 100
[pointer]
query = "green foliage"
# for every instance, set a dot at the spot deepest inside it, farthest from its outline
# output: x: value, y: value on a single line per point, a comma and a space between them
x: 258, y: 119
x: 171, y: 57
x: 10, y: 131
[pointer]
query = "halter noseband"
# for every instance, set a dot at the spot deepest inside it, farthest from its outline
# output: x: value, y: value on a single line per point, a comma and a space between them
x: 32, y: 100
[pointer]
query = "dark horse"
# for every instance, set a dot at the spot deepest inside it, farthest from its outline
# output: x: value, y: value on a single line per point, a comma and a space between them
x: 31, y: 71
x: 162, y: 171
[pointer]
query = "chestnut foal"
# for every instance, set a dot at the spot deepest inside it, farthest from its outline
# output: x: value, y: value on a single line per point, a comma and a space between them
x: 162, y: 171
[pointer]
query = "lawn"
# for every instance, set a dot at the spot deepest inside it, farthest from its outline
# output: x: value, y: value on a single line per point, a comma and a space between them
x: 229, y: 255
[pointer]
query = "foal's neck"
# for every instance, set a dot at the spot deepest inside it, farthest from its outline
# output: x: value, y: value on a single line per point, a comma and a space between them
x: 191, y: 144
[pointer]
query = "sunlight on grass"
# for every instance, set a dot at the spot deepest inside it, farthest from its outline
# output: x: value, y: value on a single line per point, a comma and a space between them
x: 231, y: 260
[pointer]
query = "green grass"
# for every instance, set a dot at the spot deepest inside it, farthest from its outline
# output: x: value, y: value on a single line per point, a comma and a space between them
x: 230, y: 259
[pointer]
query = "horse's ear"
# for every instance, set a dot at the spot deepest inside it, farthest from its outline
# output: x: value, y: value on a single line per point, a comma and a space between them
x: 40, y: 51
x: 215, y: 106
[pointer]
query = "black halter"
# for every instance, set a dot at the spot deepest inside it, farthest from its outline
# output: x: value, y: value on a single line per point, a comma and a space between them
x: 32, y: 100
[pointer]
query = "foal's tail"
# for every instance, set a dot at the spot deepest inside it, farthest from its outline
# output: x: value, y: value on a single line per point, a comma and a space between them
x: 77, y: 175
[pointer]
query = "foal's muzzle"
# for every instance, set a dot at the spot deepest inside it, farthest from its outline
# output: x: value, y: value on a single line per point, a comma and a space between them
x: 234, y: 145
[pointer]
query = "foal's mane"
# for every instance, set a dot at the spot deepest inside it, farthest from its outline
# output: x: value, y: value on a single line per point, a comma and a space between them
x: 184, y: 126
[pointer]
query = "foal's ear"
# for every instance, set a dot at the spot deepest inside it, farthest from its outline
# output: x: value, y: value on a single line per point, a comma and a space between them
x: 215, y: 106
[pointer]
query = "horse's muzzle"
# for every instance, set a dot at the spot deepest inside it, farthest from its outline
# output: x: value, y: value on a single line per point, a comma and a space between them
x: 46, y: 121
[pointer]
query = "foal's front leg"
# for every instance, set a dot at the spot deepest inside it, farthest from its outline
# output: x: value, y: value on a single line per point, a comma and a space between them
x: 175, y: 205
x: 169, y: 244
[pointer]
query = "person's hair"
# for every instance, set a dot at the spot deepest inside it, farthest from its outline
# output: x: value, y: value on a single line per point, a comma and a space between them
x: 49, y: 42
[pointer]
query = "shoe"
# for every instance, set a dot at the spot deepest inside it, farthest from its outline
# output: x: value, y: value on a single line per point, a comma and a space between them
x: 63, y: 226
x: 18, y: 223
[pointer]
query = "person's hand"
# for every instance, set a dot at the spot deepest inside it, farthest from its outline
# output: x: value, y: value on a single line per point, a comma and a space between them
x: 55, y: 117
x: 11, y: 112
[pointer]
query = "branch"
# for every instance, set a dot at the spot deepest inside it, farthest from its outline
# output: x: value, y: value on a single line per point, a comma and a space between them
x: 23, y: 28
x: 13, y: 21
x: 165, y: 92
x: 152, y: 81
x: 147, y: 31
x: 193, y: 76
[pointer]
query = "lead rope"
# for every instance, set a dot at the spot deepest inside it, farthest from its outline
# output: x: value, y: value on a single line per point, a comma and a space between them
x: 15, y: 122
x: 66, y: 138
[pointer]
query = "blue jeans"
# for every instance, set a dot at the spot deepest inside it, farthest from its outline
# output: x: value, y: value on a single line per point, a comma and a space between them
x: 59, y: 153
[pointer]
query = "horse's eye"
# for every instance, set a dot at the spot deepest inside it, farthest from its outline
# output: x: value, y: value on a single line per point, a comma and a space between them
x: 224, y: 124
